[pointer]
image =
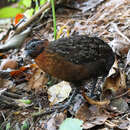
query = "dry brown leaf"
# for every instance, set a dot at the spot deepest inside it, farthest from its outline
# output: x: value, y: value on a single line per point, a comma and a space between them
x: 83, y: 113
x: 9, y: 63
x: 98, y: 117
x: 92, y: 116
x: 38, y: 80
x: 2, y: 56
x: 114, y: 84
x: 97, y: 120
x: 55, y: 121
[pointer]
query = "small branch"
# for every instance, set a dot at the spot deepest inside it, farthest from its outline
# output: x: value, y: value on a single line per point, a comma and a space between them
x: 8, y: 101
x: 5, y: 74
x: 51, y: 110
x: 3, y: 116
x: 2, y: 91
x: 119, y: 96
x: 6, y: 34
x: 12, y: 95
x: 120, y: 33
x: 21, y: 28
x: 110, y: 124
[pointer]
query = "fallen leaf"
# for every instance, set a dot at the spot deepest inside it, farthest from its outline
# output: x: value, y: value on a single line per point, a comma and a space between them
x: 97, y: 120
x: 38, y: 80
x: 124, y: 125
x: 9, y: 64
x: 71, y: 124
x: 59, y: 92
x: 114, y: 84
x: 55, y: 121
x: 83, y: 113
x: 18, y: 18
x: 118, y: 105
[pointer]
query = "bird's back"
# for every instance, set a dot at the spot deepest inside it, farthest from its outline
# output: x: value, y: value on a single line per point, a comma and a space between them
x: 80, y: 49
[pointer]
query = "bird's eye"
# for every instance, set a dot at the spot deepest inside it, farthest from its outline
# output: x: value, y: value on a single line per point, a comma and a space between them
x: 33, y: 45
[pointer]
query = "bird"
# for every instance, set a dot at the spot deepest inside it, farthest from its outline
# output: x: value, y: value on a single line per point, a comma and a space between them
x: 74, y: 59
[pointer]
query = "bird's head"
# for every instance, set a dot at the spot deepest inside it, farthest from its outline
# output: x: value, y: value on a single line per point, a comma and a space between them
x: 35, y: 47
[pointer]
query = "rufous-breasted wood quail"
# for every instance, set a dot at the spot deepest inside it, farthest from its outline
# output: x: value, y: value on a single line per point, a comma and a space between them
x: 74, y: 59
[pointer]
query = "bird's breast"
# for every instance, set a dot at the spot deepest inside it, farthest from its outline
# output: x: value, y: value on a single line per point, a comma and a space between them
x: 59, y: 67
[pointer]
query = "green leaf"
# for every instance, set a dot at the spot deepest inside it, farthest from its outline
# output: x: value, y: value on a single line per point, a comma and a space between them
x: 8, y: 126
x: 9, y: 12
x: 25, y: 3
x: 26, y: 101
x: 28, y: 13
x: 11, y: 0
x: 25, y: 126
x: 42, y: 2
x: 71, y: 124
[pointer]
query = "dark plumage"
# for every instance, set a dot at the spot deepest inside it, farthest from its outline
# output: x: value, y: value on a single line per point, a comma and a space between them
x: 75, y: 59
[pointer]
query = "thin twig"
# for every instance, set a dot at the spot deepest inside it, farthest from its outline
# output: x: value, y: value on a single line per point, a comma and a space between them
x: 120, y: 95
x: 2, y: 91
x: 21, y: 28
x: 12, y: 95
x: 120, y: 33
x: 110, y: 124
x: 3, y: 116
x: 51, y: 110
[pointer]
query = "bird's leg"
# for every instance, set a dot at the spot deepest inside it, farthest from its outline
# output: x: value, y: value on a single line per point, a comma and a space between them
x: 93, y: 87
x: 98, y: 87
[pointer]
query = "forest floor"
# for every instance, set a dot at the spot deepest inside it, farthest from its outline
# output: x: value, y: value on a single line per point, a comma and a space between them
x: 26, y: 98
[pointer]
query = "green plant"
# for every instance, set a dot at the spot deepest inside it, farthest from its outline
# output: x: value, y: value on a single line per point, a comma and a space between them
x: 54, y: 17
x: 24, y: 6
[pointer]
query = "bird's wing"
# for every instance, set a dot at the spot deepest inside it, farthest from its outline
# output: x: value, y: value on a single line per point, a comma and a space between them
x: 80, y: 49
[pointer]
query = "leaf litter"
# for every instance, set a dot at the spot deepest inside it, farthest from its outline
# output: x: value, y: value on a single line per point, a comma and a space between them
x: 106, y: 19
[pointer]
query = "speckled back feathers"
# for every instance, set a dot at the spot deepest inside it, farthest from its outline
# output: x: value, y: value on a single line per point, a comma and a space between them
x: 80, y: 49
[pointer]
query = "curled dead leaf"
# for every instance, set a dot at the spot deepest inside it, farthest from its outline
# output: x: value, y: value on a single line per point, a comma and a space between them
x: 93, y: 102
x: 114, y: 84
x: 59, y: 92
x: 37, y: 80
x: 113, y: 68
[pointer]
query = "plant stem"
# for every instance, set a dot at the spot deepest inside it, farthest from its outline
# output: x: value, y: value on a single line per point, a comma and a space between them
x: 54, y: 17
